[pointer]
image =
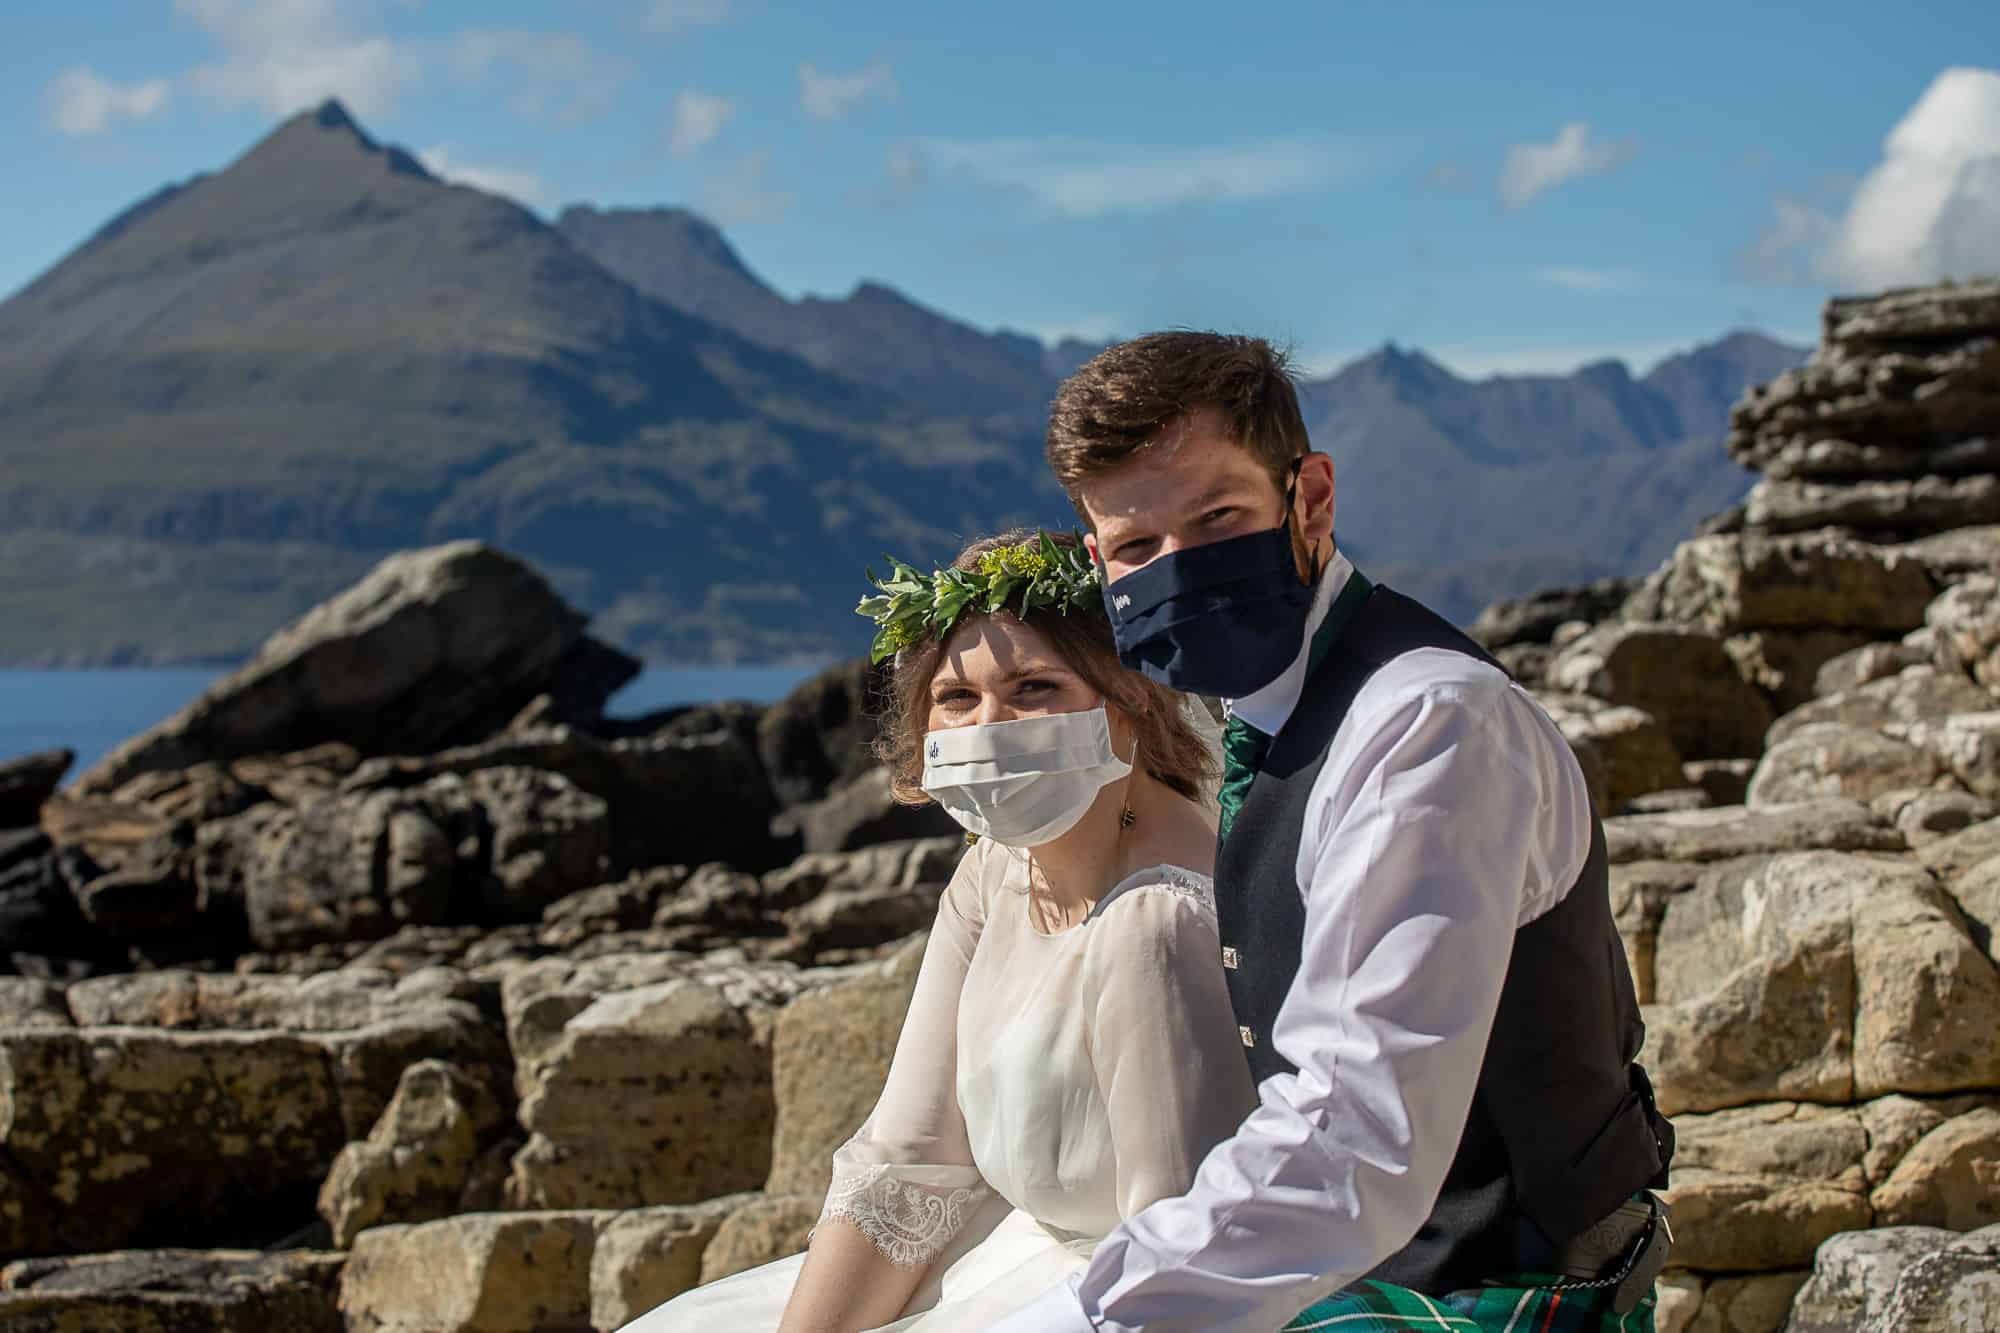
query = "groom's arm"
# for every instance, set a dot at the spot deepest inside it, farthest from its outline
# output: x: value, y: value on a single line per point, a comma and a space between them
x: 1439, y: 824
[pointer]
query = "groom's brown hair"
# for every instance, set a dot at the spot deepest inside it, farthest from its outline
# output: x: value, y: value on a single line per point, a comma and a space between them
x: 1120, y: 400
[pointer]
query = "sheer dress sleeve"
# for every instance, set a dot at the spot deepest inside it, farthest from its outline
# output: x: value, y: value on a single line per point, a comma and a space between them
x: 1168, y: 1058
x: 906, y: 1179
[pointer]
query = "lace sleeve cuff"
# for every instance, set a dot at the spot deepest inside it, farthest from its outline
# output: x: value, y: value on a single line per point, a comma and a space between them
x: 908, y: 1213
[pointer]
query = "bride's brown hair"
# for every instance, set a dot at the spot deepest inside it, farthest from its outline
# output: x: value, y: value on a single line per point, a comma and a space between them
x: 1169, y: 748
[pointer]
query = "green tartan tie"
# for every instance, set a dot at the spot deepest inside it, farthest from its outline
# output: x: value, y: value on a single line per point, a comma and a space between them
x: 1243, y: 751
x: 1243, y: 746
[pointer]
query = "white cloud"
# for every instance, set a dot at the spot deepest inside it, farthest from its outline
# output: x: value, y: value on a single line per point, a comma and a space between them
x: 1930, y: 208
x: 1530, y: 169
x: 1083, y: 178
x: 905, y: 165
x: 516, y: 183
x: 827, y: 96
x: 671, y: 18
x: 547, y: 75
x: 904, y: 174
x: 698, y: 118
x: 1799, y: 232
x: 81, y: 101
x: 283, y: 55
x: 745, y: 194
x: 1449, y: 177
x: 1589, y: 279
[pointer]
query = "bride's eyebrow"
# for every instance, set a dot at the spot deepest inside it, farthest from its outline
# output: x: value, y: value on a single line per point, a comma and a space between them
x: 1035, y: 669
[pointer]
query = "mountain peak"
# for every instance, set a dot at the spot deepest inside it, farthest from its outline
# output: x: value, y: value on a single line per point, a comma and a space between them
x: 871, y: 292
x: 331, y: 115
x: 1409, y: 367
x: 327, y: 139
x: 317, y: 170
x: 668, y: 235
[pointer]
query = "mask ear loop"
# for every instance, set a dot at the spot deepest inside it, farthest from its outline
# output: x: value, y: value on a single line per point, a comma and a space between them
x: 1291, y: 495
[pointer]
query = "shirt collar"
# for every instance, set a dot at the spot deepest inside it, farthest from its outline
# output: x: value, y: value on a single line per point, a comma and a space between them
x: 1270, y: 708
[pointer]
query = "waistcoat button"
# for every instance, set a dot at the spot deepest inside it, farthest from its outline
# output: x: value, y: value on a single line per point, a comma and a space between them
x: 1249, y: 1037
x: 1230, y: 958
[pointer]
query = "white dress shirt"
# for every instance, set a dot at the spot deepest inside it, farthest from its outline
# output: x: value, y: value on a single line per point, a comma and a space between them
x: 1449, y: 813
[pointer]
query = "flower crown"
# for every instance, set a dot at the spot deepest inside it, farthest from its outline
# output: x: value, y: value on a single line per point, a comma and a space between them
x: 1040, y: 571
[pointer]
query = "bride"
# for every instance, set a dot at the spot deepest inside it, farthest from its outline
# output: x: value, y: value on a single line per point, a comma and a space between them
x: 1069, y: 1054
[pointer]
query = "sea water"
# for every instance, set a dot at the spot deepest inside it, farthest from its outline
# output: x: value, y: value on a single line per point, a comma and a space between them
x: 92, y: 711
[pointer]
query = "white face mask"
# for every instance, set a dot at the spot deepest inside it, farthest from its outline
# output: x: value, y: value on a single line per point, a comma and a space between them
x: 1025, y: 782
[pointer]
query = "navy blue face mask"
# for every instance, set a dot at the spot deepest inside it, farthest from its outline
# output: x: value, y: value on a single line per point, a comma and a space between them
x: 1223, y: 619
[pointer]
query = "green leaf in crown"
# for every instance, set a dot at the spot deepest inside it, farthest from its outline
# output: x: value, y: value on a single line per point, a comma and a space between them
x: 1031, y: 575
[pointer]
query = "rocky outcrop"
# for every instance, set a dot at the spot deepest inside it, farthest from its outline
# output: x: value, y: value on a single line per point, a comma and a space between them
x: 483, y: 1273
x: 657, y: 1094
x: 830, y: 1054
x: 149, y: 1122
x: 1738, y: 583
x: 675, y: 795
x: 647, y: 1256
x: 1625, y: 753
x: 174, y: 1291
x: 1924, y: 1279
x: 1814, y: 950
x: 1818, y: 976
x: 1676, y: 674
x: 858, y: 812
x: 821, y: 735
x: 431, y: 648
x: 1536, y: 619
x: 527, y: 1272
x: 42, y: 930
x: 118, y: 1137
x: 566, y: 1016
x: 416, y: 1162
x: 766, y: 1230
x: 28, y: 781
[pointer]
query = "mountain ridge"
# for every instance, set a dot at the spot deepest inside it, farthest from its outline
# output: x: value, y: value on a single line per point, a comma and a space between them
x: 249, y: 385
x: 874, y: 335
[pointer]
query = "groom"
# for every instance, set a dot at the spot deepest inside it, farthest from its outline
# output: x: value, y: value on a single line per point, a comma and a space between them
x: 1452, y: 1131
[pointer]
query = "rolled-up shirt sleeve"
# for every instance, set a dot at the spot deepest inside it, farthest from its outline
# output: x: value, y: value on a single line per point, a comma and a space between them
x: 1443, y: 819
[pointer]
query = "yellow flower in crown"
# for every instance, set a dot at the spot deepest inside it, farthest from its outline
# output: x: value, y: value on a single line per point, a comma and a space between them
x: 1022, y: 560
x: 908, y: 604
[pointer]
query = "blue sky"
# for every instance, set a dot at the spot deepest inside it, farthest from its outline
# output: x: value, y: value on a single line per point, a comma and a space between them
x: 1509, y: 187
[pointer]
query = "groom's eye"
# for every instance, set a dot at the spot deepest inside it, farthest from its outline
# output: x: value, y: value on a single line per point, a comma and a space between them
x: 1219, y: 515
x: 1133, y: 551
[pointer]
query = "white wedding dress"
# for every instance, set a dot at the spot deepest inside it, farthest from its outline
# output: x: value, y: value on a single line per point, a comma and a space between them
x: 1044, y: 1088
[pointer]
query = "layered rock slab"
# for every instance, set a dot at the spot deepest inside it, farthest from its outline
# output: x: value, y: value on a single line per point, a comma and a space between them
x: 830, y: 1057
x: 655, y: 1095
x: 174, y: 1291
x: 1818, y: 976
x: 119, y: 1135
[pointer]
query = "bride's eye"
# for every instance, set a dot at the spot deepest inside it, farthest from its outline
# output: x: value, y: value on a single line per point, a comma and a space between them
x: 953, y: 700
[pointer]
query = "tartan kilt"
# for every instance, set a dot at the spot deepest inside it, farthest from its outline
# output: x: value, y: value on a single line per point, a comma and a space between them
x: 1369, y: 1306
